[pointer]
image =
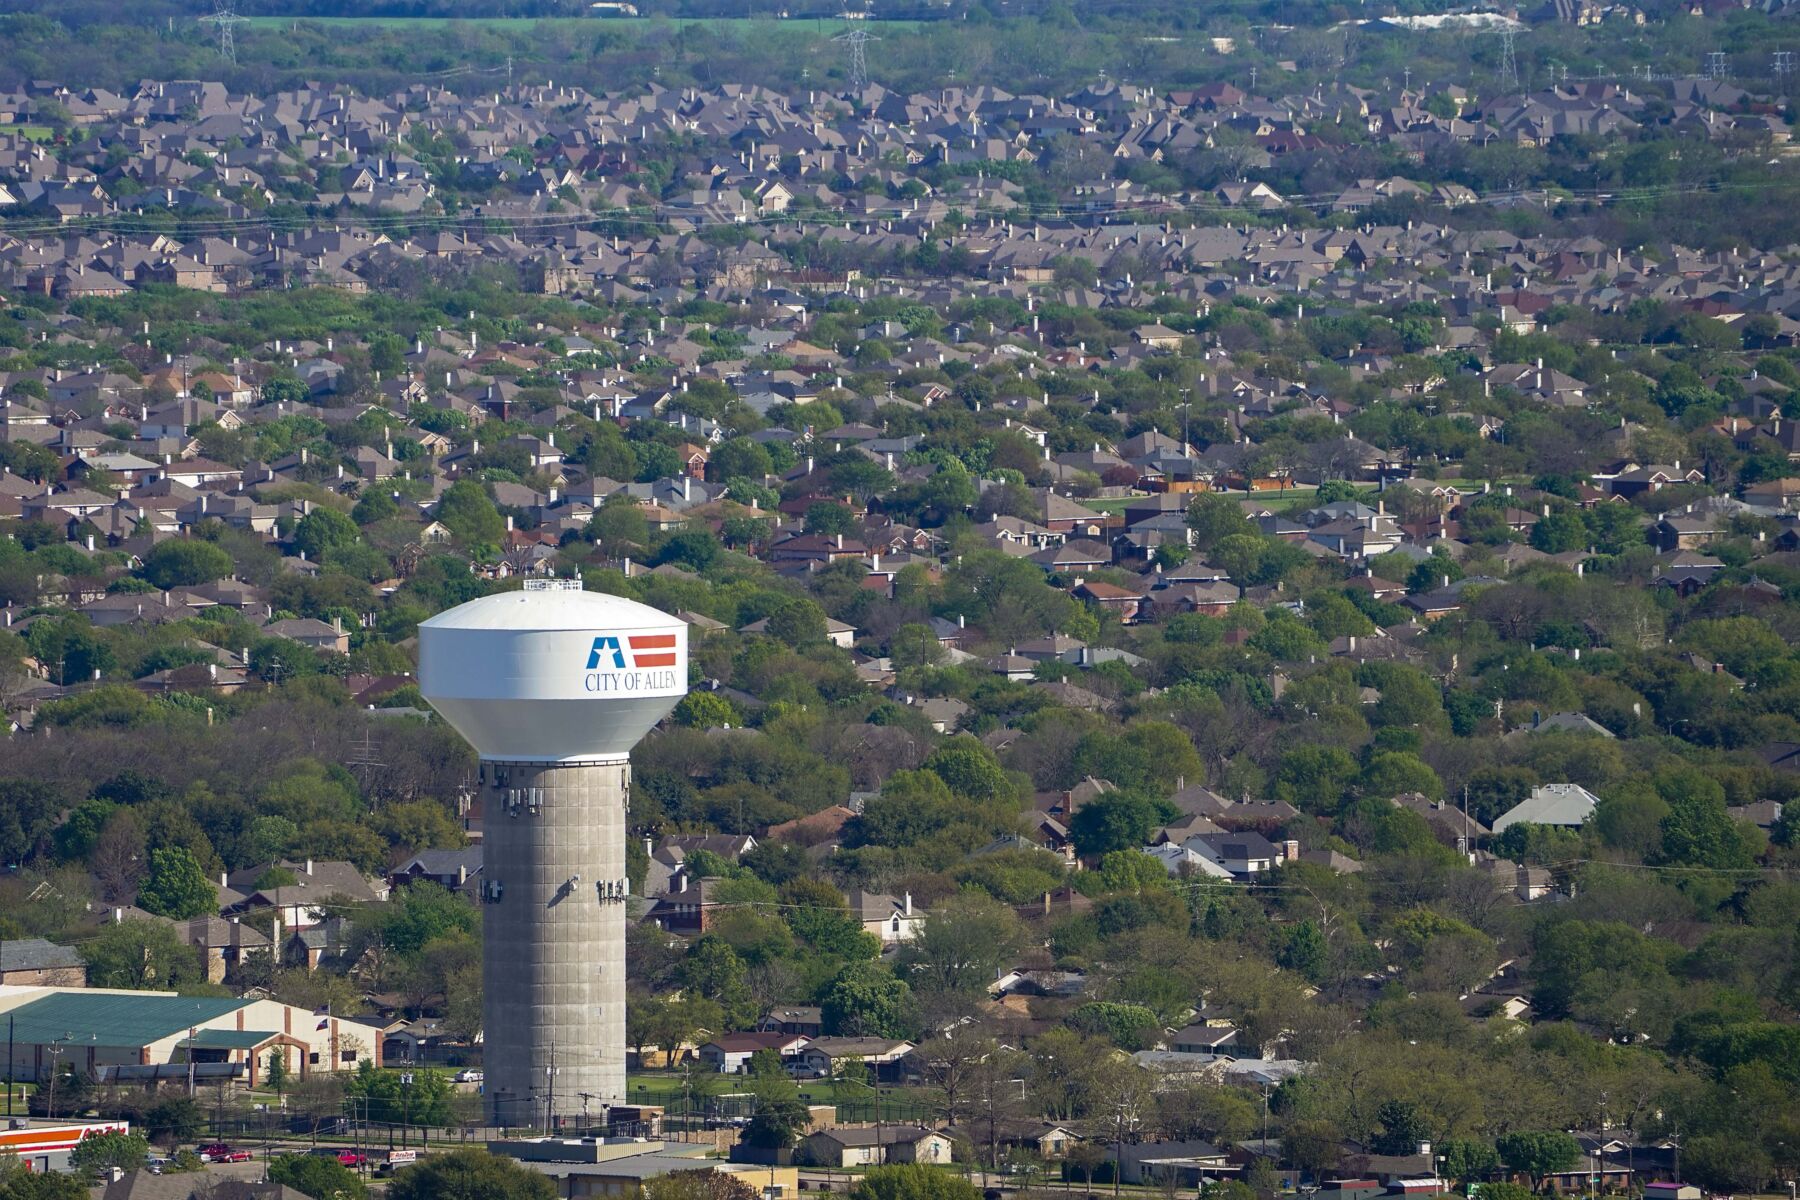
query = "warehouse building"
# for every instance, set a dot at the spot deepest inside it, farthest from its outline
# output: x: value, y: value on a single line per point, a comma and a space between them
x: 142, y: 1037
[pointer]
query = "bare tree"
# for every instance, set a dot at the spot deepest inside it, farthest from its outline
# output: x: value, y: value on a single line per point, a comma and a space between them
x: 950, y: 1064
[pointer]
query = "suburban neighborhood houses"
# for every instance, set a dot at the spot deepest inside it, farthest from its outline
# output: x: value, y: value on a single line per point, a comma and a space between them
x: 1239, y: 610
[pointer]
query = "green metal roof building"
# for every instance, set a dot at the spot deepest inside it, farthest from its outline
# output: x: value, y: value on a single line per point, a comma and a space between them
x: 144, y: 1036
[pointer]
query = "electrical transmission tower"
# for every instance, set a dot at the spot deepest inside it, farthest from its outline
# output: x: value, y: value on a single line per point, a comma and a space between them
x: 1715, y: 65
x: 1509, y: 60
x: 1784, y: 66
x: 225, y: 23
x: 858, y: 40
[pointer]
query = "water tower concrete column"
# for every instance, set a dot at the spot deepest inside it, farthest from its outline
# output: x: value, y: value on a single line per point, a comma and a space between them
x: 553, y: 958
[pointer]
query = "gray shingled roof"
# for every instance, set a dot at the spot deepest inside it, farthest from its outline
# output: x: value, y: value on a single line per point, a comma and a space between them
x: 35, y: 954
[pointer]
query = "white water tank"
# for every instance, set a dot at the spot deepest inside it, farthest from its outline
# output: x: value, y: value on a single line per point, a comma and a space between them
x: 552, y: 673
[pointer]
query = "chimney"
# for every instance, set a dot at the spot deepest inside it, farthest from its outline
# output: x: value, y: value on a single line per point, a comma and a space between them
x: 1290, y: 850
x: 309, y: 865
x: 906, y: 903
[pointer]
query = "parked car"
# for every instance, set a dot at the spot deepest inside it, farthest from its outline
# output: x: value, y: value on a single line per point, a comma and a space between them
x: 156, y: 1163
x: 350, y: 1158
x: 469, y: 1075
x: 220, y: 1152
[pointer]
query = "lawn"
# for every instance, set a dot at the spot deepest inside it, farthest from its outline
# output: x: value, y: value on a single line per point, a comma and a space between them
x: 36, y: 133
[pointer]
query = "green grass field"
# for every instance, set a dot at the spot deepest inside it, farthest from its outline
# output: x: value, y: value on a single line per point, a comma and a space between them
x: 814, y: 26
x: 36, y: 133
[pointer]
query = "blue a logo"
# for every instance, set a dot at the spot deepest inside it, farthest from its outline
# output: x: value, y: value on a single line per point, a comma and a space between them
x: 603, y: 646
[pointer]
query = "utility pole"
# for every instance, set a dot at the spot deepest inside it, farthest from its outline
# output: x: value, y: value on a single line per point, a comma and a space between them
x: 550, y: 1092
x: 9, y: 1064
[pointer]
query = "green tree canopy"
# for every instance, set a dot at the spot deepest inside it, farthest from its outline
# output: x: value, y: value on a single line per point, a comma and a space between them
x: 912, y: 1181
x: 176, y: 886
x: 317, y: 1176
x: 185, y: 562
x: 470, y: 1174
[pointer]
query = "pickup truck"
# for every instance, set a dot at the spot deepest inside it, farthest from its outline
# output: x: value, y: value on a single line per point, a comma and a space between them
x: 349, y: 1158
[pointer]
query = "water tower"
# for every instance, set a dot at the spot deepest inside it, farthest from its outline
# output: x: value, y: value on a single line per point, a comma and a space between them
x: 553, y: 686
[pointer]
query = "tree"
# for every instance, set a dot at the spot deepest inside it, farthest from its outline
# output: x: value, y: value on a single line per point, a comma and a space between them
x: 419, y: 913
x: 469, y: 515
x: 176, y: 887
x: 960, y: 944
x: 1214, y: 516
x: 828, y: 518
x: 865, y: 1000
x: 17, y: 1183
x: 1697, y: 830
x: 28, y: 812
x: 275, y: 1074
x: 780, y: 1114
x: 914, y: 645
x: 799, y: 622
x: 323, y: 530
x: 470, y: 1175
x: 97, y: 1153
x: 714, y: 970
x: 912, y: 1181
x: 700, y: 1184
x: 970, y: 770
x: 706, y: 710
x: 386, y: 1096
x: 1538, y: 1153
x: 1127, y: 1026
x: 1403, y: 1127
x: 1113, y: 822
x: 172, y: 1118
x: 139, y: 955
x: 1466, y: 1159
x: 619, y: 523
x: 317, y: 1176
x: 695, y: 549
x: 185, y: 562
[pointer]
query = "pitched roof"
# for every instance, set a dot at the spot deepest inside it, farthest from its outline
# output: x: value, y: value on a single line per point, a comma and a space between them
x: 36, y: 954
x: 1567, y: 804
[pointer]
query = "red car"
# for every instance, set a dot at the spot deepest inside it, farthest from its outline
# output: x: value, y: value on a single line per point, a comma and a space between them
x: 349, y: 1158
x: 220, y: 1152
